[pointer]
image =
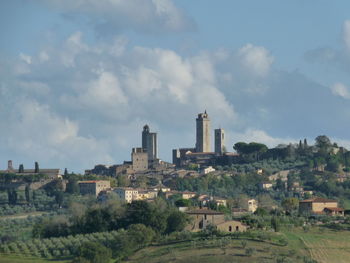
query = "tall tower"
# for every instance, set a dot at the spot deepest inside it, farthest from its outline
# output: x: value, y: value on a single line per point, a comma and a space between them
x: 203, y: 132
x: 219, y: 141
x: 149, y: 143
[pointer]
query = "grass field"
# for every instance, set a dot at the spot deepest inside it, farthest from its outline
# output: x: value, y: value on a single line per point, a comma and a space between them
x: 19, y: 259
x: 320, y: 244
x: 234, y: 252
x: 324, y: 245
x: 23, y: 215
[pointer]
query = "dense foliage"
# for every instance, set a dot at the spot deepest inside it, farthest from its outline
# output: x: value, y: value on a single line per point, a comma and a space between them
x: 113, y: 216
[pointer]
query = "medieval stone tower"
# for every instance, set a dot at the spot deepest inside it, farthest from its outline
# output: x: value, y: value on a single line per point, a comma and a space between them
x: 219, y: 141
x: 203, y: 133
x: 149, y: 143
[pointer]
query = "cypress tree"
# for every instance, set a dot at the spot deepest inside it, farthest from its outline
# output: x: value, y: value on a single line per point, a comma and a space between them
x: 36, y: 167
x: 305, y: 143
x: 21, y: 168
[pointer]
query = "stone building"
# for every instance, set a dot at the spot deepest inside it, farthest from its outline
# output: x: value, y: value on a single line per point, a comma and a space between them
x: 203, y: 133
x: 232, y: 226
x: 202, y: 154
x: 93, y: 187
x: 150, y: 143
x: 320, y: 205
x: 202, y: 218
x: 219, y: 141
x: 127, y: 194
x: 252, y: 205
x: 51, y: 173
x: 139, y: 159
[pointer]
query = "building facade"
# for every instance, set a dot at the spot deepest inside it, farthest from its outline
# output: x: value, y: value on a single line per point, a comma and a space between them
x: 139, y: 159
x: 231, y: 226
x: 93, y: 187
x: 319, y: 205
x: 252, y: 205
x: 150, y: 143
x: 201, y: 218
x: 203, y: 133
x: 219, y: 141
x: 127, y: 194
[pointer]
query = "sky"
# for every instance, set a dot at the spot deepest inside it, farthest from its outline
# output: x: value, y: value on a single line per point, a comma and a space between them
x: 79, y: 79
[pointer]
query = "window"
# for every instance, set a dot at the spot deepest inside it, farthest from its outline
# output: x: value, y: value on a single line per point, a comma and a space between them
x: 237, y: 228
x: 230, y: 229
x: 205, y: 217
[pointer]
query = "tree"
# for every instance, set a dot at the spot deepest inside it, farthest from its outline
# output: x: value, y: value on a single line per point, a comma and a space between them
x: 250, y: 150
x: 183, y: 203
x: 280, y: 185
x: 141, y: 212
x: 240, y: 147
x: 290, y: 181
x: 59, y: 197
x: 333, y: 164
x: 36, y: 170
x: 72, y: 186
x: 21, y: 168
x: 141, y: 234
x: 12, y: 196
x: 95, y: 252
x: 176, y: 221
x: 323, y: 141
x: 323, y: 145
x: 28, y: 194
x: 290, y: 204
x: 275, y: 224
x: 261, y: 212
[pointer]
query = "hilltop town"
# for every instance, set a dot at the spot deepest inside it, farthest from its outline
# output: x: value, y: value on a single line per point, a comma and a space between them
x: 251, y: 192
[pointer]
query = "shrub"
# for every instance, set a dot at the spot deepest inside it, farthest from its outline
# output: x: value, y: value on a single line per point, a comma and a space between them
x: 249, y: 251
x: 95, y: 252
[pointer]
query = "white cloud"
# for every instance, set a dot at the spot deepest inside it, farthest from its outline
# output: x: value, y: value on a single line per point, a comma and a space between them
x: 43, y: 56
x: 255, y: 59
x: 42, y: 135
x: 25, y: 58
x: 339, y: 89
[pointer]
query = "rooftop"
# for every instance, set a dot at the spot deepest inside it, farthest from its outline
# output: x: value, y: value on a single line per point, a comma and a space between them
x: 204, y: 212
x: 91, y: 181
x: 318, y: 200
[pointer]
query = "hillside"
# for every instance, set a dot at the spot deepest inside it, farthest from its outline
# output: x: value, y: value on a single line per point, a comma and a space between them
x: 317, y: 245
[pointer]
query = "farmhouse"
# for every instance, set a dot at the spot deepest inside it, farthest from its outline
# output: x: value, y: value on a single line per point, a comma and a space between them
x: 320, y: 205
x: 202, y: 218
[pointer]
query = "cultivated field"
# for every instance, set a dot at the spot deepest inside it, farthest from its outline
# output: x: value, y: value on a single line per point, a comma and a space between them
x: 324, y: 245
x: 320, y: 244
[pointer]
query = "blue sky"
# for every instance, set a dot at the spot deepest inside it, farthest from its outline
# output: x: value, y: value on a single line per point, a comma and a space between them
x: 78, y: 80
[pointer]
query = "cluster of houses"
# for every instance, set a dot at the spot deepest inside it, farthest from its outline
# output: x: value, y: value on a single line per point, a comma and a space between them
x: 203, y: 216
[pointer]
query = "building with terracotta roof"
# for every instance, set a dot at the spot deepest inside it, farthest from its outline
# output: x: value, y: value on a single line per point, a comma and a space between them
x: 319, y: 205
